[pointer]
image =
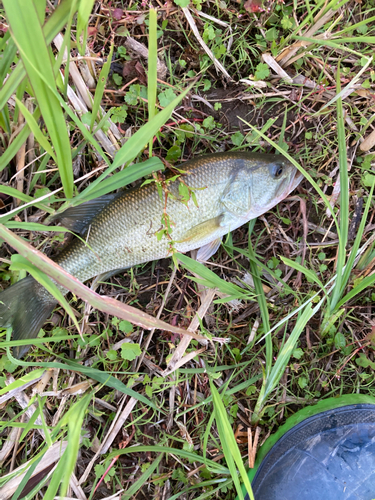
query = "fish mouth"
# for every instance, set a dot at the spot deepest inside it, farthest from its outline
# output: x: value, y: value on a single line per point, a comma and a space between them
x: 295, y: 179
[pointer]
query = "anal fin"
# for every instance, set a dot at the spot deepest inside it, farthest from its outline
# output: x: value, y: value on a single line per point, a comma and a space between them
x: 105, y: 276
x: 207, y: 251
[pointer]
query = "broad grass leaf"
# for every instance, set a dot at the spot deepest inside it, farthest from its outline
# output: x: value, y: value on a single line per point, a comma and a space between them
x: 230, y: 448
x: 28, y: 35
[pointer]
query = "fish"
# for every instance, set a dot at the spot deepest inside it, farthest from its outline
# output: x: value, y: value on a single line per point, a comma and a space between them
x: 221, y: 192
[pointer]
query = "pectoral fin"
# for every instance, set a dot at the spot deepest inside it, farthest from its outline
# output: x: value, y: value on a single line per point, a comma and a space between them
x: 202, y: 231
x: 207, y: 251
x: 212, y: 229
x: 105, y: 276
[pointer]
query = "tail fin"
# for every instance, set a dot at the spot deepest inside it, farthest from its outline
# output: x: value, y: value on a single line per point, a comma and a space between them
x: 25, y: 306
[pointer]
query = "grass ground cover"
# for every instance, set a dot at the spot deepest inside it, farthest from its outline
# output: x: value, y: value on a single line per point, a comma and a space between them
x: 97, y: 95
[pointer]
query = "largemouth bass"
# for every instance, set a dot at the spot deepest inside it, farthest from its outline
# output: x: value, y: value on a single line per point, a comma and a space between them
x: 124, y: 229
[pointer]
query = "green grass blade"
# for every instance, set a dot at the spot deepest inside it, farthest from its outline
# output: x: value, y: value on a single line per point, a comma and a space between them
x: 24, y: 197
x: 32, y: 376
x: 286, y: 351
x: 124, y: 177
x: 193, y: 457
x: 39, y: 176
x: 321, y: 7
x: 34, y: 226
x: 366, y: 282
x: 261, y: 298
x: 99, y: 91
x: 358, y: 39
x: 211, y: 279
x: 84, y: 11
x: 350, y: 85
x: 40, y: 7
x: 307, y: 272
x: 241, y: 387
x: 33, y: 125
x: 98, y: 375
x: 74, y: 420
x: 16, y: 144
x: 262, y: 266
x: 357, y: 241
x: 27, y: 33
x: 135, y: 144
x: 328, y: 43
x: 230, y: 448
x: 355, y: 26
x: 103, y: 120
x: 338, y: 5
x: 54, y: 24
x: 225, y: 485
x: 129, y: 150
x: 26, y: 477
x: 344, y: 200
x: 143, y: 478
x: 85, y: 132
x: 30, y: 425
x: 5, y: 121
x: 8, y: 55
x: 37, y: 341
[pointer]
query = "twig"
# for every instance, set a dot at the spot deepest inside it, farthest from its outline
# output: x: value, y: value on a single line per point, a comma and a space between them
x: 252, y: 447
x: 210, y: 54
x: 177, y: 359
x: 141, y: 50
x: 16, y: 443
x: 150, y: 335
x: 122, y: 445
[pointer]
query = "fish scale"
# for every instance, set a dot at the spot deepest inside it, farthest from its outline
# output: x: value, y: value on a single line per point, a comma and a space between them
x: 121, y: 230
x: 124, y: 234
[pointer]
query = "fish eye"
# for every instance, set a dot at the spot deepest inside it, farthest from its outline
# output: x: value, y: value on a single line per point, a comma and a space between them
x: 277, y: 171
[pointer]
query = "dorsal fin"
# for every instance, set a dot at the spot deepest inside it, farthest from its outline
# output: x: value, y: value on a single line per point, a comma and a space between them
x: 78, y: 219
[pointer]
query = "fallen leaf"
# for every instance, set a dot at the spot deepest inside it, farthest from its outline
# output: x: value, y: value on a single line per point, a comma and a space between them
x: 117, y: 14
x: 91, y: 31
x: 253, y: 6
x: 368, y: 143
x: 129, y: 69
x: 141, y: 73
